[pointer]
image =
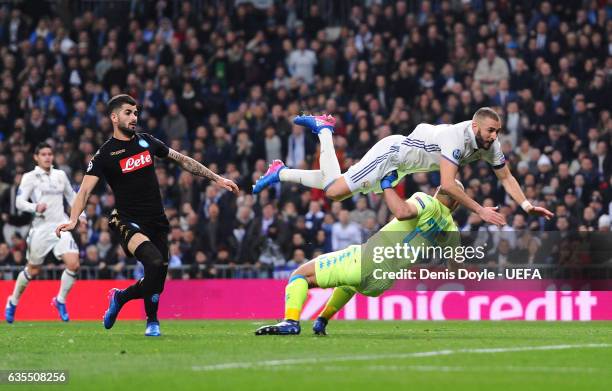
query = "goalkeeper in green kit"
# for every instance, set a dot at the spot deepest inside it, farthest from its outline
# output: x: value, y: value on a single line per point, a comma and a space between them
x: 420, y: 220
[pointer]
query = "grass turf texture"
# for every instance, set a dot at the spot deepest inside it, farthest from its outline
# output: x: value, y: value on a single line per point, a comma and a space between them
x: 356, y: 355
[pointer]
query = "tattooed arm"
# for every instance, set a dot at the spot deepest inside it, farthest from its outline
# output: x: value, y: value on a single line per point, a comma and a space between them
x: 197, y: 168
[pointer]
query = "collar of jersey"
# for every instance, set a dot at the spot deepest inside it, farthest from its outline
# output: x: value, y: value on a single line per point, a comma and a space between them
x: 125, y: 141
x: 41, y: 171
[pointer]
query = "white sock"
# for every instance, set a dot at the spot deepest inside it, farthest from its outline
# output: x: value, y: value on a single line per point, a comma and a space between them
x: 23, y: 278
x: 327, y: 159
x: 309, y: 178
x: 68, y: 279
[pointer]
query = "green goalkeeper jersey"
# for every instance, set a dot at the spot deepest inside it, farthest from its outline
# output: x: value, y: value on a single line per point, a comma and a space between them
x: 433, y: 226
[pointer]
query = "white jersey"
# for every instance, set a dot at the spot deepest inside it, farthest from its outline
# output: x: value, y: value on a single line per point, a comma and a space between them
x: 40, y: 186
x: 422, y: 150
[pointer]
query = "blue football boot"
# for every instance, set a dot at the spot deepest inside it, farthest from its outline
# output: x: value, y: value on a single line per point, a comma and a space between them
x: 61, y: 308
x: 9, y: 311
x: 152, y: 329
x: 286, y: 327
x: 270, y: 177
x: 110, y: 316
x: 319, y: 326
x: 316, y: 122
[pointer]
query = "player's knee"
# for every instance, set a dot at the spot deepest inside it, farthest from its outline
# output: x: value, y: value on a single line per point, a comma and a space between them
x: 33, y: 271
x: 149, y: 255
x: 303, y: 272
x: 295, y: 273
x: 337, y: 190
x: 161, y: 283
x: 73, y: 265
x: 335, y: 193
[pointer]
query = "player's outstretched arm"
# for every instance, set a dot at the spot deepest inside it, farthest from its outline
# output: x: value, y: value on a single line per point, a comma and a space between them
x: 80, y: 201
x: 197, y: 168
x: 401, y: 210
x: 513, y: 188
x: 448, y: 172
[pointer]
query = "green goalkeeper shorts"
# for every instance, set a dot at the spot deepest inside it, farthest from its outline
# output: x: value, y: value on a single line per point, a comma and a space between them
x: 339, y: 268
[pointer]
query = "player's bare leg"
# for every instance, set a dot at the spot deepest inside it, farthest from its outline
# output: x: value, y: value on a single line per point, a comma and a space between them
x: 69, y: 276
x: 25, y: 276
x: 338, y: 190
x: 296, y: 292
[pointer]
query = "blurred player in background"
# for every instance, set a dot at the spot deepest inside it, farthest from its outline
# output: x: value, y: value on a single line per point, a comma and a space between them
x: 427, y: 148
x: 42, y: 192
x: 418, y: 220
x: 126, y: 162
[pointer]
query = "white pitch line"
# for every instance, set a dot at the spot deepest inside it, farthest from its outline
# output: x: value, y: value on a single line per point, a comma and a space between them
x: 446, y: 368
x: 370, y: 357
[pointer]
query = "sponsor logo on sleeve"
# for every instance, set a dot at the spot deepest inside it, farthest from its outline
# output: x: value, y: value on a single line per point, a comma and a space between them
x: 457, y: 154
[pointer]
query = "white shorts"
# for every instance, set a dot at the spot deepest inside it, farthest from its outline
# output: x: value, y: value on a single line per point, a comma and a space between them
x: 379, y: 161
x: 41, y: 240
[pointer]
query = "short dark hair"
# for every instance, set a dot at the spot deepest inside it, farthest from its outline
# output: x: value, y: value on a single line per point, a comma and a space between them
x: 486, y: 112
x: 117, y: 101
x: 42, y: 145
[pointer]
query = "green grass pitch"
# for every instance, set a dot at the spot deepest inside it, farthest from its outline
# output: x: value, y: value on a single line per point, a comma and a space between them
x: 357, y: 355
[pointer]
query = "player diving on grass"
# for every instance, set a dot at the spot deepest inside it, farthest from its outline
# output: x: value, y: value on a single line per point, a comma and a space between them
x: 42, y: 192
x: 420, y: 220
x: 427, y: 148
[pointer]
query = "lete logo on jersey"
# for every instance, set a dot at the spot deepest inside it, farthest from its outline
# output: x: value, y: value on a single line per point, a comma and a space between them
x: 136, y: 162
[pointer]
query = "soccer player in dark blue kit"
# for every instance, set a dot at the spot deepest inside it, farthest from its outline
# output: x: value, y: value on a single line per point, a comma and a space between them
x: 126, y: 162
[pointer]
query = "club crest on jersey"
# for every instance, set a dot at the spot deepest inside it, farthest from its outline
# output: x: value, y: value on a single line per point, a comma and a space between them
x: 136, y: 162
x: 457, y: 154
x: 143, y: 143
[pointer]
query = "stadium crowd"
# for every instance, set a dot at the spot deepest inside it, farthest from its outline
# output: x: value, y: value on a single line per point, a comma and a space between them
x: 221, y: 83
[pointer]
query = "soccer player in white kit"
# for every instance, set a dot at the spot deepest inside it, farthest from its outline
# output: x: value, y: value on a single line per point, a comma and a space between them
x: 427, y: 148
x: 42, y: 192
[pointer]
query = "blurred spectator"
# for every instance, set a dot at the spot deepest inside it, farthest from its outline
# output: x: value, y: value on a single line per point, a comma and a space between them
x: 345, y: 232
x: 491, y: 70
x: 13, y: 219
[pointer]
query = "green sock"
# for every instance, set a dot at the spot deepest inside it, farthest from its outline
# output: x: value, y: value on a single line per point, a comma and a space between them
x: 340, y: 296
x: 296, y: 293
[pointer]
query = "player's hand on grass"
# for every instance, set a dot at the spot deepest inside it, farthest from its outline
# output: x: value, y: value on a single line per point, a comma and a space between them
x: 41, y: 207
x: 492, y: 216
x: 540, y: 211
x: 227, y: 184
x: 387, y: 181
x: 66, y: 227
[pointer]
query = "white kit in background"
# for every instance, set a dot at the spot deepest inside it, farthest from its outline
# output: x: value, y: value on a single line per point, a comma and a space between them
x: 49, y: 188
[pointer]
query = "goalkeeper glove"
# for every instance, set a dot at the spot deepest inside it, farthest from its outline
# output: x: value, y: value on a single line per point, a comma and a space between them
x: 387, y: 181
